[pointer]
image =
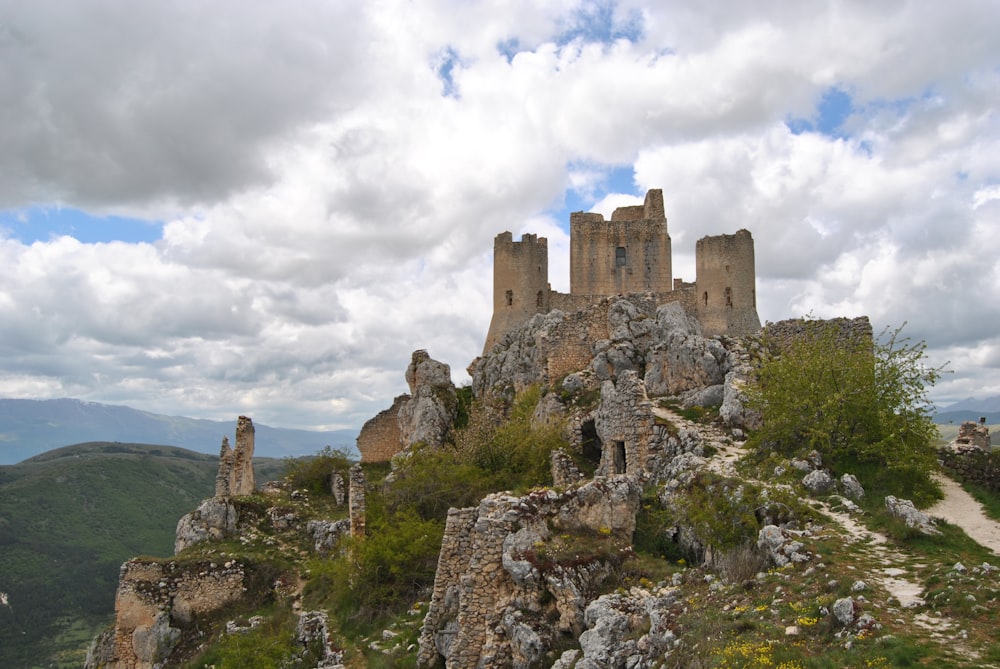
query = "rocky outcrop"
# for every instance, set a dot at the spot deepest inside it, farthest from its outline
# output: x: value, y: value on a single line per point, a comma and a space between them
x: 214, y: 519
x: 235, y: 475
x: 423, y: 416
x: 513, y: 563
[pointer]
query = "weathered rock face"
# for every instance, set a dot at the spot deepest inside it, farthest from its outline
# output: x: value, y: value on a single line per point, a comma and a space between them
x: 214, y: 519
x: 431, y: 410
x: 235, y: 475
x: 512, y: 562
x: 155, y: 602
x: 423, y: 416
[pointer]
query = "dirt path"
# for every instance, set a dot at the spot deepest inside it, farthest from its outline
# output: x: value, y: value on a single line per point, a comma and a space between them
x: 960, y: 508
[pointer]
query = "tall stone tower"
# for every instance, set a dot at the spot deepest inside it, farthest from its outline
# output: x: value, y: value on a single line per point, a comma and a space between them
x: 628, y: 254
x: 726, y: 285
x: 520, y: 283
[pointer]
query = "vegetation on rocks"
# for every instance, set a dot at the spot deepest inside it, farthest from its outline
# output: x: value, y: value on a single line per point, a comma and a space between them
x: 864, y: 409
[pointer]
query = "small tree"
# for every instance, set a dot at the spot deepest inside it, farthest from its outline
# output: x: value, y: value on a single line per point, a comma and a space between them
x: 861, y: 404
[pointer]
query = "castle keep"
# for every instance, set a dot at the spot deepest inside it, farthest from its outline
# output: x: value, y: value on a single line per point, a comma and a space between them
x: 631, y: 253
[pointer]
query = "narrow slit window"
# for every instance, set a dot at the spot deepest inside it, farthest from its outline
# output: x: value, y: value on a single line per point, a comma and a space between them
x: 729, y: 296
x: 539, y: 300
x: 620, y: 256
x: 510, y: 298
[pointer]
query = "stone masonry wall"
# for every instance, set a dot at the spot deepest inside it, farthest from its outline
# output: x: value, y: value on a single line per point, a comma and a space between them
x: 726, y: 285
x: 439, y: 629
x: 853, y: 331
x: 380, y: 437
x: 629, y: 254
x: 155, y: 600
x: 973, y: 464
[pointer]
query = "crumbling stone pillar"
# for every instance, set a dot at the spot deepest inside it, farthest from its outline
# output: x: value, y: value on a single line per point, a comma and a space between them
x: 242, y: 480
x: 337, y: 487
x: 356, y: 496
x: 235, y: 475
x: 225, y: 469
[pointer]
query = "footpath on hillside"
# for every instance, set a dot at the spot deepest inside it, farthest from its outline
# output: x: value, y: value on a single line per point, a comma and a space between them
x: 960, y: 508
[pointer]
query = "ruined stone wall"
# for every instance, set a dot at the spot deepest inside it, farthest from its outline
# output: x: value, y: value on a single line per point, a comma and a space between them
x: 846, y: 331
x: 356, y: 501
x: 437, y: 635
x: 629, y: 254
x: 235, y: 475
x: 380, y: 437
x: 973, y: 464
x: 726, y: 285
x: 625, y: 424
x: 155, y: 601
x: 520, y: 283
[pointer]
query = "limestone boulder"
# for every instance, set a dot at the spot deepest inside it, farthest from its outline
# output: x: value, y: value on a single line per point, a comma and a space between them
x: 214, y: 519
x: 906, y: 511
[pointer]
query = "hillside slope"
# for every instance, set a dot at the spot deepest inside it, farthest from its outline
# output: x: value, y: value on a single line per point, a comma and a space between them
x: 68, y: 519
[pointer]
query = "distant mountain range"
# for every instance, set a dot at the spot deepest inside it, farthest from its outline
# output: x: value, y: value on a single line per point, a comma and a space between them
x: 970, y: 409
x: 30, y: 427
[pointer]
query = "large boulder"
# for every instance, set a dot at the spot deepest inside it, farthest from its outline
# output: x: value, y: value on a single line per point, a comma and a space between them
x: 215, y: 519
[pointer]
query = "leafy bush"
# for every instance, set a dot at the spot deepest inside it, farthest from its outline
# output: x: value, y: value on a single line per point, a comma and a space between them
x: 862, y: 407
x: 313, y: 473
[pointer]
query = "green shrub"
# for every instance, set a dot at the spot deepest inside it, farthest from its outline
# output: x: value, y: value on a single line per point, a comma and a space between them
x: 863, y: 408
x: 313, y: 473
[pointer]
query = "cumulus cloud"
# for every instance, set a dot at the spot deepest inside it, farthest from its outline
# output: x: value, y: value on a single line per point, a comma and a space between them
x: 331, y: 175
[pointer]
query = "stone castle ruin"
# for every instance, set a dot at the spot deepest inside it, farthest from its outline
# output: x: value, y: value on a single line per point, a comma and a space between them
x: 631, y: 253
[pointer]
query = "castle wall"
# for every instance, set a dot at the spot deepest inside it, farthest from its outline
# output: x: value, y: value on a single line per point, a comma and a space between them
x: 520, y: 283
x: 629, y: 254
x: 726, y: 285
x: 380, y: 437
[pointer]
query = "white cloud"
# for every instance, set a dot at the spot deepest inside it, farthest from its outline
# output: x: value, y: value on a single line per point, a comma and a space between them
x: 330, y: 200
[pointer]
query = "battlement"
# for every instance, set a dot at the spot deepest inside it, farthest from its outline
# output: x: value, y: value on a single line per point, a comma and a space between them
x: 631, y: 253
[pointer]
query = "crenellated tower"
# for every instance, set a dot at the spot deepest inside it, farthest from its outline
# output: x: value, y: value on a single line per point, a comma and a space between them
x: 520, y: 283
x: 726, y: 286
x: 629, y: 254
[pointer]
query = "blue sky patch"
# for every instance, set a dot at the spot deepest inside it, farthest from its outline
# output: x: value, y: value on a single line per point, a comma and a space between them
x: 449, y: 59
x: 620, y: 179
x: 831, y: 112
x: 595, y: 22
x: 35, y: 224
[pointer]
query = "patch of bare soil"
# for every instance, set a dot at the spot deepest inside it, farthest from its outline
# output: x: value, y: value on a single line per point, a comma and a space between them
x: 960, y: 508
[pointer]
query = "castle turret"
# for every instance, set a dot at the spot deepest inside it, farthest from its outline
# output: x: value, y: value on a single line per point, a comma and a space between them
x: 628, y: 254
x: 726, y: 285
x: 520, y: 283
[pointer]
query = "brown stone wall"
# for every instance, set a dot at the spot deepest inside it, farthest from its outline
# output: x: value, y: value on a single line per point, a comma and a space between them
x: 242, y: 480
x: 380, y: 438
x: 156, y: 600
x: 520, y: 283
x: 629, y: 254
x: 453, y: 561
x: 625, y: 423
x: 726, y: 285
x: 847, y: 331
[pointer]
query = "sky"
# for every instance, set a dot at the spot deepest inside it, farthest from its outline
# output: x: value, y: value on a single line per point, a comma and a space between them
x: 251, y: 207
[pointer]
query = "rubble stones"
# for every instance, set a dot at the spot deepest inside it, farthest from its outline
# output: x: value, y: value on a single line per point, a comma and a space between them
x: 909, y: 514
x: 843, y: 611
x: 852, y: 487
x: 818, y: 482
x: 781, y: 545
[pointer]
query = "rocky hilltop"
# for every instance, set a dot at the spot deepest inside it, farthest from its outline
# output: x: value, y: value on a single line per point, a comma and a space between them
x: 649, y: 540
